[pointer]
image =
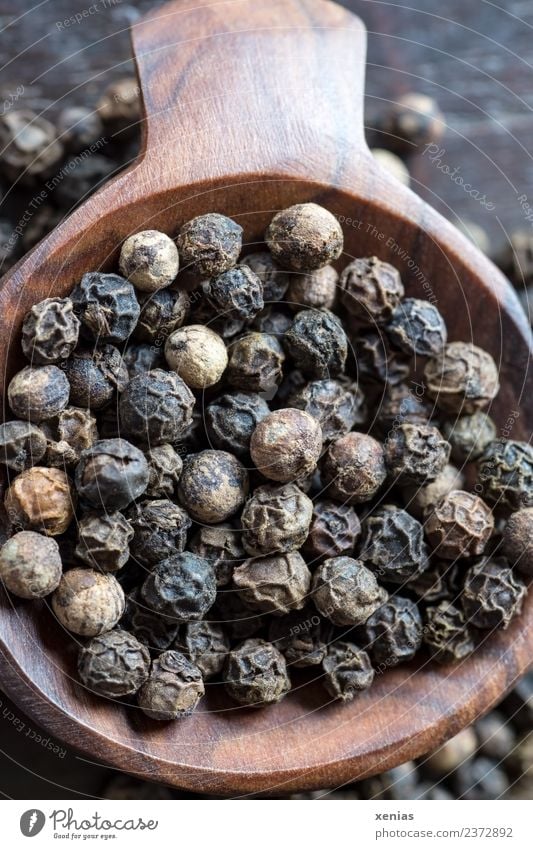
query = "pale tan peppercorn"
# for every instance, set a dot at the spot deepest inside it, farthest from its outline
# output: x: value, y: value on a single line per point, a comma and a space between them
x: 462, y: 379
x: 317, y: 290
x: 419, y: 498
x: 197, y: 354
x: 286, y: 445
x: 304, y: 237
x: 276, y: 584
x: 88, y: 603
x: 173, y: 688
x: 30, y: 565
x: 149, y: 260
x: 353, y: 468
x: 41, y: 499
x: 518, y: 541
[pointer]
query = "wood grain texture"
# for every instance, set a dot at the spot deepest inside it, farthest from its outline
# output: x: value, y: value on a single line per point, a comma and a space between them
x: 251, y: 107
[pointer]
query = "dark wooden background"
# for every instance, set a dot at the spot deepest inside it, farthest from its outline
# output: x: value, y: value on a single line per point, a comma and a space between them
x: 474, y: 56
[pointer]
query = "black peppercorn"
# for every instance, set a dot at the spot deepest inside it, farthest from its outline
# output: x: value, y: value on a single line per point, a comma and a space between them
x: 347, y: 671
x: 164, y: 467
x: 206, y: 644
x: 182, y: 586
x: 95, y: 375
x: 160, y: 530
x: 304, y: 237
x: 316, y: 290
x: 375, y: 360
x: 275, y: 584
x: 114, y: 664
x: 370, y: 290
x: 275, y: 518
x: 103, y: 540
x: 447, y: 633
x: 441, y: 581
x: 459, y: 525
x: 469, y: 436
x: 353, y: 468
x: 30, y: 565
x: 418, y: 499
x: 36, y: 394
x: 213, y: 486
x: 173, y: 689
x: 149, y: 260
x: 221, y: 545
x: 275, y: 281
x: 492, y: 594
x: 317, y: 343
x: 401, y: 404
x: 345, y: 591
x: 274, y: 320
x: 107, y: 306
x: 505, y: 474
x: 50, y: 331
x: 141, y: 358
x: 286, y: 445
x: 237, y: 617
x: 417, y: 327
x: 210, y: 244
x: 255, y: 362
x: 154, y: 630
x: 156, y: 407
x: 111, y: 474
x: 236, y: 293
x: 462, y: 379
x: 393, y: 546
x: 256, y: 674
x: 518, y: 541
x: 415, y: 454
x: 232, y: 418
x: 162, y: 313
x: 334, y: 530
x: 299, y: 637
x: 22, y: 445
x: 393, y: 634
x: 68, y: 434
x: 336, y: 407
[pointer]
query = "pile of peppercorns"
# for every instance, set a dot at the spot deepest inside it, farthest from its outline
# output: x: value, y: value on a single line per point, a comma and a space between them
x: 185, y: 467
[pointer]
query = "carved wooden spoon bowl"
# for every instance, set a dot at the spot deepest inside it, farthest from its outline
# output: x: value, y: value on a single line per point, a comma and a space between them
x: 251, y: 107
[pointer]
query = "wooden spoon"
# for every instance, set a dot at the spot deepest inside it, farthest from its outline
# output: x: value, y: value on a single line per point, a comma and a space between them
x: 251, y: 107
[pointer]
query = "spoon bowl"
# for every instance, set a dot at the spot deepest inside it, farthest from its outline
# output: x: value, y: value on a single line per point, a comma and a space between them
x: 248, y: 108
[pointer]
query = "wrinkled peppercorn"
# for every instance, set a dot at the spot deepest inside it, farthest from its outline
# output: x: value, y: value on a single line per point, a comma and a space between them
x: 299, y: 637
x: 36, y: 394
x: 94, y: 375
x: 156, y: 407
x: 345, y: 591
x: 164, y: 469
x: 336, y: 407
x: 347, y: 671
x: 111, y: 474
x: 21, y: 445
x: 149, y: 260
x: 370, y: 290
x: 393, y: 546
x: 141, y: 358
x: 114, y: 664
x: 401, y: 404
x: 206, y: 644
x: 304, y: 237
x: 160, y: 530
x: 469, y: 436
x: 256, y: 674
x: 462, y: 379
x: 103, y: 540
x: 173, y: 688
x: 236, y: 293
x: 418, y: 499
x: 30, y: 565
x: 68, y: 434
x: 232, y: 418
x: 334, y: 530
x: 183, y: 586
x: 275, y: 281
x: 237, y: 617
x: 441, y: 581
x: 275, y: 584
x: 273, y: 320
x: 447, y: 633
x: 393, y: 634
x: 154, y: 630
x: 197, y: 355
x: 286, y: 445
x: 459, y: 525
x: 162, y: 313
x: 255, y: 362
x: 29, y: 144
x: 415, y: 454
x: 106, y: 306
x: 275, y: 518
x: 505, y: 474
x: 492, y: 594
x: 317, y: 343
x: 518, y: 541
x: 353, y: 468
x: 221, y: 545
x: 210, y: 244
x: 50, y: 331
x: 213, y: 486
x: 376, y: 361
x: 41, y: 499
x: 88, y: 603
x: 417, y: 327
x: 316, y: 290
